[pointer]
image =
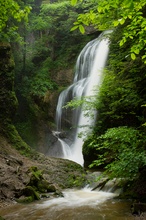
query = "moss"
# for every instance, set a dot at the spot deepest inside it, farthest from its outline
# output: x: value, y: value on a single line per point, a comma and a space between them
x: 35, y: 176
x: 29, y: 195
x: 9, y: 131
x: 30, y: 191
x: 8, y: 100
x: 42, y: 186
x: 38, y: 182
x: 27, y: 199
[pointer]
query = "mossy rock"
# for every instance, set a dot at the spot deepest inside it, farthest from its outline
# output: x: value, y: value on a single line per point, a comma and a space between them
x: 26, y: 199
x: 1, y: 218
x: 52, y: 188
x: 29, y: 191
x: 36, y: 178
x: 43, y: 186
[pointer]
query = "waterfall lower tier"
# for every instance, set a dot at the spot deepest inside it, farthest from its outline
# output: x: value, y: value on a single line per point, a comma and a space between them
x: 87, y: 80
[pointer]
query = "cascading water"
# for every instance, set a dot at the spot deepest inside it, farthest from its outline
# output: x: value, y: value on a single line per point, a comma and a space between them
x: 88, y: 75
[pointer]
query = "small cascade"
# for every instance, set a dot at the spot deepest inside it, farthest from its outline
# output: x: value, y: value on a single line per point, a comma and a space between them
x: 88, y: 77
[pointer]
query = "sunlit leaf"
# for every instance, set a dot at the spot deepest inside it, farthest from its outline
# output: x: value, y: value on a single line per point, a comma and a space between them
x: 133, y: 57
x: 73, y: 2
x: 116, y: 23
x: 74, y: 28
x: 82, y: 29
x: 99, y: 9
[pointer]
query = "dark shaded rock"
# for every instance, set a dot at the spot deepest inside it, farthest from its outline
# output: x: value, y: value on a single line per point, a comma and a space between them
x: 89, y: 153
x: 8, y: 101
x: 138, y: 208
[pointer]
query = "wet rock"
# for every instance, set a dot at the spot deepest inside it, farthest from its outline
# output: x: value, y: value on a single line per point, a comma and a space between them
x: 100, y: 184
x: 59, y: 193
x: 138, y: 208
x: 61, y: 134
x: 51, y: 188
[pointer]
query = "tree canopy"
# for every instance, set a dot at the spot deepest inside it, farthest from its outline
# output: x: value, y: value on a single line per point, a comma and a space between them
x: 110, y: 14
x: 11, y: 13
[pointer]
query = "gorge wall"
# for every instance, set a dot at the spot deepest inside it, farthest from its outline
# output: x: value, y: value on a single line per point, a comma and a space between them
x: 8, y: 101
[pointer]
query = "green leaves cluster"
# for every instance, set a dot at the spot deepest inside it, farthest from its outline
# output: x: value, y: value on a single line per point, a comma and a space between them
x: 10, y: 14
x: 124, y: 148
x: 109, y: 14
x: 37, y: 85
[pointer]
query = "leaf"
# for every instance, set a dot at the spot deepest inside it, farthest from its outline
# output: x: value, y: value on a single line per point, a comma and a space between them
x: 130, y: 16
x: 136, y: 51
x: 73, y: 2
x: 122, y: 41
x: 133, y: 57
x: 144, y: 57
x: 92, y: 16
x: 122, y: 21
x: 82, y: 29
x: 116, y: 23
x: 74, y: 28
x: 99, y: 9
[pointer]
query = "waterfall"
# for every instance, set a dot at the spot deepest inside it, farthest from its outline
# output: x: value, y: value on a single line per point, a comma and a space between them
x: 87, y: 78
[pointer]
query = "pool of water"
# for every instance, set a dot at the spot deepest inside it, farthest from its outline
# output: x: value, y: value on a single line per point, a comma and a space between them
x: 75, y: 205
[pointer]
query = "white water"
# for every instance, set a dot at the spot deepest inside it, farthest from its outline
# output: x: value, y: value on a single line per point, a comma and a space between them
x: 88, y: 77
x: 77, y: 198
x: 81, y: 204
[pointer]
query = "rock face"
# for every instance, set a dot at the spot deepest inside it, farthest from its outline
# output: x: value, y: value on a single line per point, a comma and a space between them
x: 8, y: 101
x: 46, y: 139
x: 63, y: 79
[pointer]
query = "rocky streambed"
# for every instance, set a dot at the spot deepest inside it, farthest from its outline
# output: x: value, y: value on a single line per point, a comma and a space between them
x: 30, y: 178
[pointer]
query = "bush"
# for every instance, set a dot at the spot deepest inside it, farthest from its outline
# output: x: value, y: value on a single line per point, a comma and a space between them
x: 123, y: 147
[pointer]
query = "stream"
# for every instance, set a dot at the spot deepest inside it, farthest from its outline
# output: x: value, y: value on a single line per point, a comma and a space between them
x: 76, y: 204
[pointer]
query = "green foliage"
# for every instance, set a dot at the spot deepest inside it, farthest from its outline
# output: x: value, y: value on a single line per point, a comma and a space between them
x: 10, y: 14
x: 130, y: 15
x: 124, y: 148
x: 118, y: 101
x: 88, y: 104
x: 38, y: 85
